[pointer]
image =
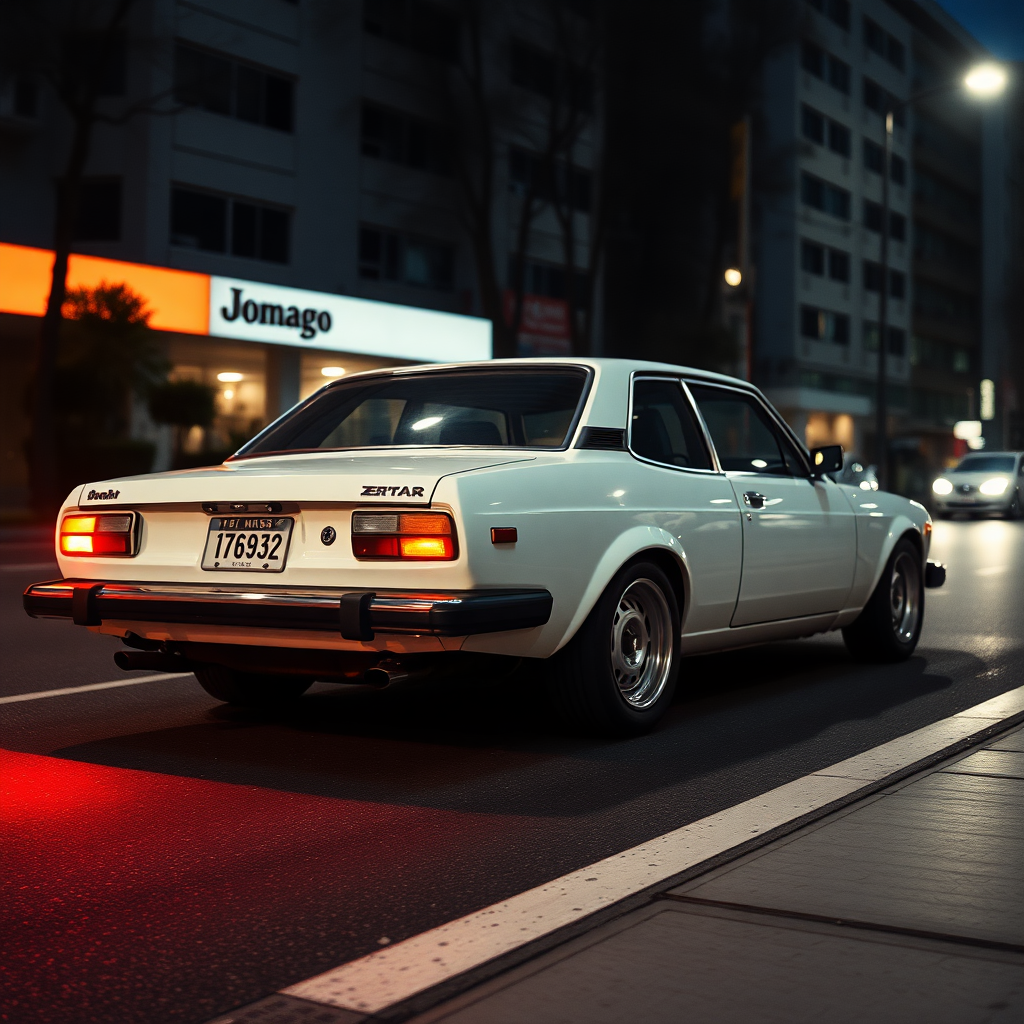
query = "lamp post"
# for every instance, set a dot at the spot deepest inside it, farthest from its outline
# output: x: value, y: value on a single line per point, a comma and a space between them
x: 984, y: 80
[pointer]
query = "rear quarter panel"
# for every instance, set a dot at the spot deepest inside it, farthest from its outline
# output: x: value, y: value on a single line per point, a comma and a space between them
x: 580, y: 517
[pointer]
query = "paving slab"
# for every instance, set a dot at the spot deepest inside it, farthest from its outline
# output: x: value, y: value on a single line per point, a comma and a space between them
x: 907, y: 906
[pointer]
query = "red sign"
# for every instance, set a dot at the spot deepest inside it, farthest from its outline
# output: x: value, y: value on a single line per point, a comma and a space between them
x: 541, y: 315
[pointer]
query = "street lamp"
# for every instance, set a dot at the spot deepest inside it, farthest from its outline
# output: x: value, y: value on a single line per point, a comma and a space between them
x: 984, y: 81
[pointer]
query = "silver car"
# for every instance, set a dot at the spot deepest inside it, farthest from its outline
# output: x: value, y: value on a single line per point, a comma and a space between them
x: 982, y: 483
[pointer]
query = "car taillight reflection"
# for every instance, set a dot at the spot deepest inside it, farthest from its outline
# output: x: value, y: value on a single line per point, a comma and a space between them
x: 413, y: 536
x: 102, y: 534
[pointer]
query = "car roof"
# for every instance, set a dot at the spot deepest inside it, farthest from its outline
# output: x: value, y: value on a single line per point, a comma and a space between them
x: 609, y: 363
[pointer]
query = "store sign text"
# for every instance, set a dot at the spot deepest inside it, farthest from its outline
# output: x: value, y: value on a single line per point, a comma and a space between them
x: 305, y: 321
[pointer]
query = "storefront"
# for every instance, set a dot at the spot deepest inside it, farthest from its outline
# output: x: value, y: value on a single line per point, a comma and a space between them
x: 262, y: 347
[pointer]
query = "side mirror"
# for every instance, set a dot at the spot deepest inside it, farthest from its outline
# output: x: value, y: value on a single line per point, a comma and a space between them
x: 828, y: 459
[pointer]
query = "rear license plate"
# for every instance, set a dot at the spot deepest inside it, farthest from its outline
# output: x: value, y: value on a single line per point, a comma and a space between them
x: 247, y: 543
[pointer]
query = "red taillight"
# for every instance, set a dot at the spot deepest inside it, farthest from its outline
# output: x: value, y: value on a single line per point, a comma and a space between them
x: 103, y: 534
x: 409, y: 536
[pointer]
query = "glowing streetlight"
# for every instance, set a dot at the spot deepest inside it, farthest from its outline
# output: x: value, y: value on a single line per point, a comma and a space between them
x: 733, y: 277
x: 985, y: 80
x: 332, y: 371
x: 229, y: 377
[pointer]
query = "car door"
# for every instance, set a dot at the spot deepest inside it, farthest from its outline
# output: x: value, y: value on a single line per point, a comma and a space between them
x: 799, y: 533
x: 678, y: 489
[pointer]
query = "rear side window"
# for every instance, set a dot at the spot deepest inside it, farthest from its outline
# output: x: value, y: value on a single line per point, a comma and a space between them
x: 663, y: 427
x: 489, y: 408
x: 744, y: 435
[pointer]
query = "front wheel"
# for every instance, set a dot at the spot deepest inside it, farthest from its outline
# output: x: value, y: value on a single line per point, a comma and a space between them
x: 251, y: 689
x: 1015, y: 511
x: 889, y: 626
x: 617, y: 675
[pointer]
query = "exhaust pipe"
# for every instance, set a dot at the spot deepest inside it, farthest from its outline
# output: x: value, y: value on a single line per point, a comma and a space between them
x: 132, y: 661
x: 388, y: 671
x: 384, y: 675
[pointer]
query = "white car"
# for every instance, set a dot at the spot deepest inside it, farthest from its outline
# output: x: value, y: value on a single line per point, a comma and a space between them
x: 608, y: 516
x: 982, y: 483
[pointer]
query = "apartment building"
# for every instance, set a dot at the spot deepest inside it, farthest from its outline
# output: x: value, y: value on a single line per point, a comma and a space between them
x: 817, y: 235
x: 307, y: 185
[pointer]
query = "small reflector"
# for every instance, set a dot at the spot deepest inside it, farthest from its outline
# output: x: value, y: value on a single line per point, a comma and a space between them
x: 504, y: 535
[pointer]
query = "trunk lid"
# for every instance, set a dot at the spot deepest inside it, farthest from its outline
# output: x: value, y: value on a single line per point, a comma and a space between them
x: 399, y: 477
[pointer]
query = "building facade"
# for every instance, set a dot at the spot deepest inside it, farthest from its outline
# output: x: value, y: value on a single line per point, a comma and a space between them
x: 323, y: 147
x: 817, y: 232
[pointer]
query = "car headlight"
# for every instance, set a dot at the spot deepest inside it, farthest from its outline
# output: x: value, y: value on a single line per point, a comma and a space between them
x: 995, y: 486
x: 942, y: 486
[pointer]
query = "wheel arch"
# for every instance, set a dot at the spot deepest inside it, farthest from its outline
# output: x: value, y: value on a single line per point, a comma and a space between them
x: 636, y: 544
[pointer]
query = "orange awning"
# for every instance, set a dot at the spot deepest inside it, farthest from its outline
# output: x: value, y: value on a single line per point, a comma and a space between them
x: 179, y: 299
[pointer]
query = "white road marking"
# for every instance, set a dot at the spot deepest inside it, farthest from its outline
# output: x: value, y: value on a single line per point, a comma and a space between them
x: 159, y: 677
x: 397, y: 972
x: 29, y: 566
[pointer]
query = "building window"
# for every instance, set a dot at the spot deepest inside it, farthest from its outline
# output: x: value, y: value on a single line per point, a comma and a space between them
x: 938, y: 247
x: 881, y: 100
x: 836, y: 10
x: 562, y: 183
x: 389, y: 256
x: 838, y: 138
x: 99, y: 210
x: 816, y: 127
x: 823, y: 325
x: 825, y: 197
x: 873, y: 221
x: 812, y: 258
x: 884, y: 44
x: 414, y: 23
x: 404, y: 139
x: 209, y: 222
x: 897, y: 338
x: 873, y: 280
x: 815, y: 61
x: 226, y: 86
x: 838, y: 265
x: 813, y: 125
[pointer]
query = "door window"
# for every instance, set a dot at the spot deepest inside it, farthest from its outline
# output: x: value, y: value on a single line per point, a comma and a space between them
x: 744, y: 435
x: 663, y: 427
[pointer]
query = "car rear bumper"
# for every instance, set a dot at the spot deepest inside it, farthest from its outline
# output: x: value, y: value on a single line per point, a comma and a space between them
x: 355, y: 614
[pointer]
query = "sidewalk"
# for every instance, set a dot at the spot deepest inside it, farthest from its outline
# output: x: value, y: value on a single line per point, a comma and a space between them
x: 907, y: 906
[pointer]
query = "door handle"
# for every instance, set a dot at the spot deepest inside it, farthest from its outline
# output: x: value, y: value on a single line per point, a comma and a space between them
x: 754, y: 499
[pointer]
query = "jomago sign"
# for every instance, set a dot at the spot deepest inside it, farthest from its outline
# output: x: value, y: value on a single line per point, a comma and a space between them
x: 189, y: 303
x: 293, y: 316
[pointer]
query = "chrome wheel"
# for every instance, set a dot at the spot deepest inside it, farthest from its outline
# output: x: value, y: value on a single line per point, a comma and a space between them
x: 905, y: 596
x: 641, y: 643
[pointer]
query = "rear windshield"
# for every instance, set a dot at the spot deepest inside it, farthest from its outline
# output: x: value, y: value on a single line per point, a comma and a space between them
x: 986, y: 464
x: 490, y: 408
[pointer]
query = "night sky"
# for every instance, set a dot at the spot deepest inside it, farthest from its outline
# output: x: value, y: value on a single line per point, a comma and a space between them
x: 996, y: 24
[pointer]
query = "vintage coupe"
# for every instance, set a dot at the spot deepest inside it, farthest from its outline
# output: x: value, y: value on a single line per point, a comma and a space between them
x: 605, y: 517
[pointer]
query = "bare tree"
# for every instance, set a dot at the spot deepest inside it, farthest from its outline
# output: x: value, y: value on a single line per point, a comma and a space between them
x: 73, y: 46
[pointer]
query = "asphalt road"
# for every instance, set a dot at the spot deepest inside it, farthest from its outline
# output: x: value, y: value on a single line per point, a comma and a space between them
x: 167, y: 858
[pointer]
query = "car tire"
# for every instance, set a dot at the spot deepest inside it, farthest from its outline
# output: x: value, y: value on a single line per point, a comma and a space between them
x: 1015, y: 511
x: 889, y: 625
x: 249, y: 689
x: 617, y: 675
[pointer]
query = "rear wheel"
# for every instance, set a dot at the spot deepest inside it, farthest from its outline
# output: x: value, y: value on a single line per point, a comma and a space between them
x: 618, y: 673
x: 250, y: 689
x: 889, y: 626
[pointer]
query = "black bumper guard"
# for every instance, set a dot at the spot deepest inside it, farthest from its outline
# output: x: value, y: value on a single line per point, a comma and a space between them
x: 356, y: 614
